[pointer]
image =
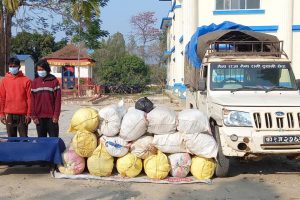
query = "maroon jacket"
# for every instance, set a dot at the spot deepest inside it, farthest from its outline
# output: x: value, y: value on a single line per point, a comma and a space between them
x: 46, y: 97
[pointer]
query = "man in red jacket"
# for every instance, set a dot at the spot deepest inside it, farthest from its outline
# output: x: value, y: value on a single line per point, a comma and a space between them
x: 46, y: 101
x: 15, y: 100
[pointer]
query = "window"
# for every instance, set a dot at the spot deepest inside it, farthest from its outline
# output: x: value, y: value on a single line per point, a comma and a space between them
x: 237, y: 4
x: 56, y: 69
x: 253, y: 76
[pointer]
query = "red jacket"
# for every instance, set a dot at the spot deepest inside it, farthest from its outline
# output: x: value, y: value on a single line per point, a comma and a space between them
x: 46, y: 97
x: 15, y: 95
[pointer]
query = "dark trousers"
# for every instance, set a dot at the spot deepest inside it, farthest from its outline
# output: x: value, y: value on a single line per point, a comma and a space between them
x: 15, y: 124
x: 45, y: 126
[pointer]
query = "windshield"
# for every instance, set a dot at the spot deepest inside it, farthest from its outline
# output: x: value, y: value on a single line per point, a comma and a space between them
x: 252, y: 76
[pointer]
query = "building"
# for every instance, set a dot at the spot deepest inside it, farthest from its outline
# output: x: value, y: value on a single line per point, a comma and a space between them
x: 27, y: 65
x: 69, y: 63
x: 280, y: 18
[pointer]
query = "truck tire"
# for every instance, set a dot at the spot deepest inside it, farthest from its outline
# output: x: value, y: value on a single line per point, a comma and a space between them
x: 223, y: 162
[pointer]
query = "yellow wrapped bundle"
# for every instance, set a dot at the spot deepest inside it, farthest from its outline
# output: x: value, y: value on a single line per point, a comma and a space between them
x: 84, y: 144
x: 129, y: 165
x: 157, y: 166
x: 85, y: 119
x: 100, y: 163
x: 203, y: 168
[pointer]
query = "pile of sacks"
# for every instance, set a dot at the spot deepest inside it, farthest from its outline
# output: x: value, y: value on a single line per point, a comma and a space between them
x: 155, y: 139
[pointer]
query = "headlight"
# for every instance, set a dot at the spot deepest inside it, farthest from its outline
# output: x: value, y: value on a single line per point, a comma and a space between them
x: 237, y: 118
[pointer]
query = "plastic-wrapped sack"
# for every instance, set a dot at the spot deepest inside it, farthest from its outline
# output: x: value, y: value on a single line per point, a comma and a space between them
x: 192, y: 121
x: 134, y: 125
x: 203, y: 168
x: 72, y: 163
x: 202, y: 145
x: 161, y: 120
x: 144, y: 104
x: 84, y: 144
x: 115, y: 146
x: 170, y: 143
x: 121, y: 108
x: 180, y: 164
x: 100, y: 163
x: 129, y: 166
x: 143, y: 147
x: 157, y: 166
x: 85, y: 119
x: 110, y: 120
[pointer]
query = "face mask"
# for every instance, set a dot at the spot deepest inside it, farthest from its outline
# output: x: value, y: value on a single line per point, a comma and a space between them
x: 13, y: 70
x: 42, y: 74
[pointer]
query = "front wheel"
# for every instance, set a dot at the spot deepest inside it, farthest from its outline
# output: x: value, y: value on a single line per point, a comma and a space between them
x: 223, y: 162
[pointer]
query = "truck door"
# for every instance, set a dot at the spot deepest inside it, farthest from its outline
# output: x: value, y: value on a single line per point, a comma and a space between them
x: 202, y: 95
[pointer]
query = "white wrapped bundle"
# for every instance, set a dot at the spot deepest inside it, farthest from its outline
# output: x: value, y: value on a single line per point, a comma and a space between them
x: 202, y: 144
x: 115, y: 146
x: 170, y: 143
x: 192, y: 121
x: 143, y: 147
x: 134, y: 125
x: 110, y: 120
x: 161, y: 120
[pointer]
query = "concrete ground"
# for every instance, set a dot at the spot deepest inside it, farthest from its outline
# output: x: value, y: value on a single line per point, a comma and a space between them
x: 270, y: 178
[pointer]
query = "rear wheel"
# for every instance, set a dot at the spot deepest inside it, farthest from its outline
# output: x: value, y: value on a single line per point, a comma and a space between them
x: 223, y: 162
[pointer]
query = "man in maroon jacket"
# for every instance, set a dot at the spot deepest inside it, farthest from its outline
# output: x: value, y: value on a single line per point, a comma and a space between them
x: 46, y: 101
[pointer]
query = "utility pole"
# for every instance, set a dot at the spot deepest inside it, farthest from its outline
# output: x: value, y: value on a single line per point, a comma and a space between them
x: 78, y: 61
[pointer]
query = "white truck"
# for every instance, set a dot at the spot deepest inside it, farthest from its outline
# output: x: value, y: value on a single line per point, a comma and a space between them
x: 247, y: 88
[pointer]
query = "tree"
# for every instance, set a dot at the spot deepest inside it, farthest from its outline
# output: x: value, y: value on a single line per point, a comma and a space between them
x: 7, y: 10
x: 110, y: 50
x: 144, y: 28
x: 158, y: 75
x: 35, y: 44
x: 131, y: 46
x: 88, y: 27
x: 116, y: 45
x: 129, y: 70
x: 89, y: 13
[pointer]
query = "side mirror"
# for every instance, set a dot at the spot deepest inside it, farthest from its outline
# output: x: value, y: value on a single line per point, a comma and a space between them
x: 298, y: 83
x: 202, y: 85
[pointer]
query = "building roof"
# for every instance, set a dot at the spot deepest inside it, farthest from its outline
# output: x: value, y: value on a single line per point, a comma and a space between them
x: 70, y: 52
x: 23, y: 57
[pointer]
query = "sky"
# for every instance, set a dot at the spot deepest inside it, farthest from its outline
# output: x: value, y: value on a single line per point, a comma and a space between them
x: 116, y: 15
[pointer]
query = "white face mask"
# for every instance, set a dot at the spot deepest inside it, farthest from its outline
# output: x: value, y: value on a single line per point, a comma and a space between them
x: 42, y: 74
x: 13, y: 70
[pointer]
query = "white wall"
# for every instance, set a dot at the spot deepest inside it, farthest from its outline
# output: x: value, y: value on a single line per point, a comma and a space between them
x: 296, y: 40
x: 27, y: 67
x: 85, y: 72
x: 196, y: 13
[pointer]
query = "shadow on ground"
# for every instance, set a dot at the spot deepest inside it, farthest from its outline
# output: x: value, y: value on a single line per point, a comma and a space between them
x: 268, y: 165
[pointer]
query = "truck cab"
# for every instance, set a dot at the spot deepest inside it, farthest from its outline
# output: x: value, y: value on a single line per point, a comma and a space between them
x: 251, y: 98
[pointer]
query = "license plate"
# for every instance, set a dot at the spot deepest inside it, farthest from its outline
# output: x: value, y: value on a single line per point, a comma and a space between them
x: 282, y: 139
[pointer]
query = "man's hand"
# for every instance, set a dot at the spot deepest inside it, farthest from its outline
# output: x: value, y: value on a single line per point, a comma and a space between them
x: 3, y: 120
x: 27, y: 120
x: 55, y: 120
x: 36, y: 121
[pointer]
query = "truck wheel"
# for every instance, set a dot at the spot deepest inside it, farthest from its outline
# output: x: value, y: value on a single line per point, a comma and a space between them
x: 223, y: 162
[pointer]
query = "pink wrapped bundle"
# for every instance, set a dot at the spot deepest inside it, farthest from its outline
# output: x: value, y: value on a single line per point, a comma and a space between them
x: 180, y: 164
x: 73, y: 163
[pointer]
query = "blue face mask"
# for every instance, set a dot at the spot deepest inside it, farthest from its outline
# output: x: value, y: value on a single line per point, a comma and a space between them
x: 13, y: 70
x: 42, y: 74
